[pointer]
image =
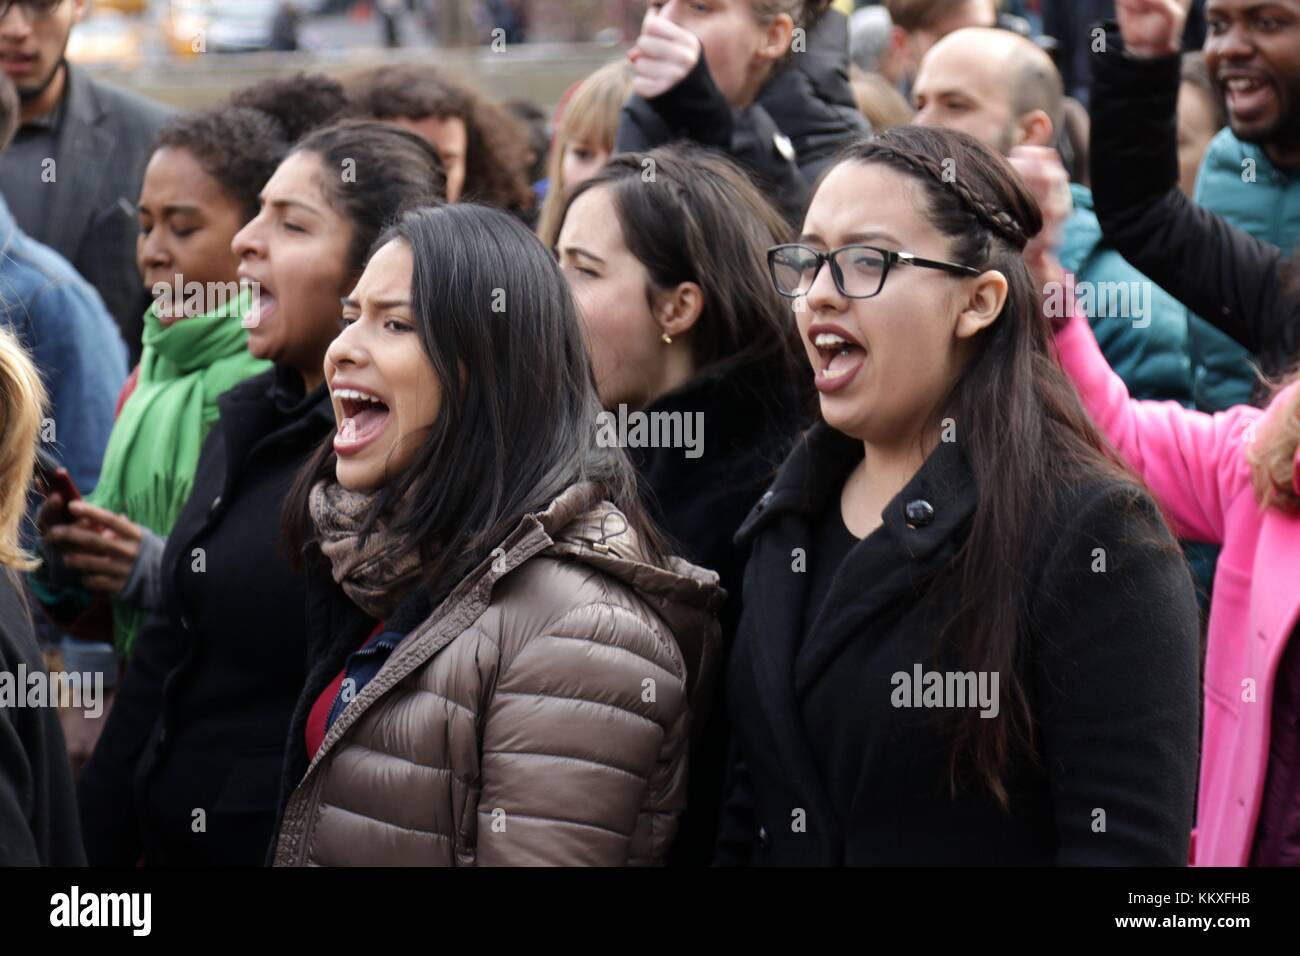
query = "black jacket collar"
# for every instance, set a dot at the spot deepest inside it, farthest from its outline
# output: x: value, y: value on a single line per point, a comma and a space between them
x: 753, y: 409
x: 923, y: 523
x: 272, y: 407
x: 931, y: 508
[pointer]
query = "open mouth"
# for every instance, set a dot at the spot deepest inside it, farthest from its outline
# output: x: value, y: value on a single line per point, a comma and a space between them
x: 1248, y: 96
x: 261, y: 306
x: 841, y: 358
x: 363, y: 416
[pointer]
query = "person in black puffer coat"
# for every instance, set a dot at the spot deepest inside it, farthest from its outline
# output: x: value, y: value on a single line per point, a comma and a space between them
x: 765, y: 81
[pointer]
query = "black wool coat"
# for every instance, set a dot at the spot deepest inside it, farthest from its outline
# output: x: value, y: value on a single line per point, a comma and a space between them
x: 752, y: 414
x: 829, y: 769
x: 201, y: 716
x: 38, y: 806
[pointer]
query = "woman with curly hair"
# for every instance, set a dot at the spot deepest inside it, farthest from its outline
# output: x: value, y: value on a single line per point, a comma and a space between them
x: 483, y: 147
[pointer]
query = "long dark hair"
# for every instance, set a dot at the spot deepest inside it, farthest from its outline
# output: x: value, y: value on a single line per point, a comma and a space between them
x: 1024, y: 430
x: 519, y: 415
x: 374, y: 171
x: 689, y: 215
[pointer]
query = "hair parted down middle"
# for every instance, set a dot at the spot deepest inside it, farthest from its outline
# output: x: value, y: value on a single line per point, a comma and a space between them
x: 1022, y: 426
x: 518, y: 423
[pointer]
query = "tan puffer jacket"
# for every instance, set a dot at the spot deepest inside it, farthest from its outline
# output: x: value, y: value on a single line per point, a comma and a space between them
x: 538, y: 716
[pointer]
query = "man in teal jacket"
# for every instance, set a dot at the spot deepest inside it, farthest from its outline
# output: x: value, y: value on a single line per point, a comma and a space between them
x: 1251, y: 173
x: 1153, y: 359
x: 1004, y: 90
x: 1242, y: 184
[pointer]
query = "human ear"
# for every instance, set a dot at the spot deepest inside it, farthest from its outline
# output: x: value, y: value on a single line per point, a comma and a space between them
x: 776, y: 39
x: 983, y: 303
x: 680, y: 308
x: 1034, y: 129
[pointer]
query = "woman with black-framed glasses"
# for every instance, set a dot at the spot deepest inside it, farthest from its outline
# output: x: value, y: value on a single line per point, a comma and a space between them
x: 968, y: 636
x: 859, y: 270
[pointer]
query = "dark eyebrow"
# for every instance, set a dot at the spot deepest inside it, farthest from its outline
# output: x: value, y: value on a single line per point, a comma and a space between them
x: 281, y: 203
x: 576, y: 251
x: 870, y: 236
x: 852, y: 238
x: 349, y: 303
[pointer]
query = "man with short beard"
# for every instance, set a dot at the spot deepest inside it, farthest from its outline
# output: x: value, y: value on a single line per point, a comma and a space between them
x: 1251, y: 172
x: 1003, y: 90
x: 1252, y: 50
x: 72, y: 174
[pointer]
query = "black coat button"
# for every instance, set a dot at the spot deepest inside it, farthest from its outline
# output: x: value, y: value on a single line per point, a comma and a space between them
x: 764, y: 841
x: 216, y: 503
x: 919, y: 513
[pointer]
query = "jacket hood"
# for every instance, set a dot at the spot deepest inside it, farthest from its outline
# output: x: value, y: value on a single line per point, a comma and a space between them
x: 825, y: 62
x: 586, y: 528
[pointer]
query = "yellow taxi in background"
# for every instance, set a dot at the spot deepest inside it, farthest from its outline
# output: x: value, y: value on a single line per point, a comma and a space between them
x: 134, y: 7
x: 107, y: 39
x: 185, y: 25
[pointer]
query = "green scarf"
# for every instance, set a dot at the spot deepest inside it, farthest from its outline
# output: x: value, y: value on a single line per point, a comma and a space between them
x: 154, y: 447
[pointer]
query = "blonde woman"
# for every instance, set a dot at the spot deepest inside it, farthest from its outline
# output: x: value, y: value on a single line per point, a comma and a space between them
x: 38, y: 809
x: 584, y: 140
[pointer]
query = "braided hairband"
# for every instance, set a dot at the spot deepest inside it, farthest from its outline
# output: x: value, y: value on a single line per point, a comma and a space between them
x: 996, y: 220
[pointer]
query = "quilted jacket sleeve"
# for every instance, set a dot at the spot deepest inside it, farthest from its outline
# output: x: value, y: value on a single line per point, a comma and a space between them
x: 583, y: 759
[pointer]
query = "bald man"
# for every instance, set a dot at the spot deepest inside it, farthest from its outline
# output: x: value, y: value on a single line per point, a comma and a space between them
x: 993, y: 84
x: 1003, y: 90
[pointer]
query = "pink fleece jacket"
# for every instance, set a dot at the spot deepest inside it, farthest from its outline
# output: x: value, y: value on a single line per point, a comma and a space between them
x: 1195, y: 464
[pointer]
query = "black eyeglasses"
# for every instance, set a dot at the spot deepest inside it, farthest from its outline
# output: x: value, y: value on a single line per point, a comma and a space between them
x: 34, y: 8
x: 859, y: 271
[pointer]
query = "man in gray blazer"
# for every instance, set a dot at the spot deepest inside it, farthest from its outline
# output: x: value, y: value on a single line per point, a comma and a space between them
x: 72, y: 174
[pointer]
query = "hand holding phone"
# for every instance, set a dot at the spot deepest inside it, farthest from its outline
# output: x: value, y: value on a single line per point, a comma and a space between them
x: 59, y: 489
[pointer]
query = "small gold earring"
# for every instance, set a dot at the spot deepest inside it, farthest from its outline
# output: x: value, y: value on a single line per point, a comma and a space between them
x: 668, y: 339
